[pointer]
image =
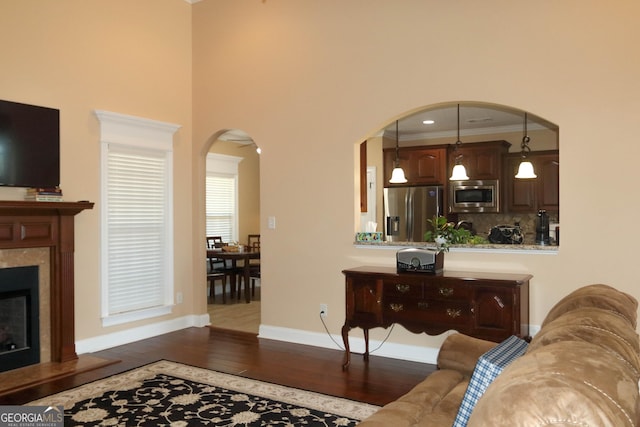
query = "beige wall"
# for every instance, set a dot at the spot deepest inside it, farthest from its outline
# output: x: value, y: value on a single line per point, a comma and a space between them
x: 129, y: 57
x: 309, y: 81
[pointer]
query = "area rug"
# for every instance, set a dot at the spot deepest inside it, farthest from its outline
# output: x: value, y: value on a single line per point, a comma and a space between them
x: 173, y: 394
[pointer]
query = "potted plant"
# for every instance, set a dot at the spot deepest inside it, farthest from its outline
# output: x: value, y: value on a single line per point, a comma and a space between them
x: 445, y: 234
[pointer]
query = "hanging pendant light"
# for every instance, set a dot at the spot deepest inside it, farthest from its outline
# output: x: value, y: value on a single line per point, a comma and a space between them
x: 525, y: 170
x: 397, y: 176
x: 459, y: 172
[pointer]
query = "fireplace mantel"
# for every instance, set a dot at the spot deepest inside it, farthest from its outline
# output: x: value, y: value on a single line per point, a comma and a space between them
x: 27, y: 224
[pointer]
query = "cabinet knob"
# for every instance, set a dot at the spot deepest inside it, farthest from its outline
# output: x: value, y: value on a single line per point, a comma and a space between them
x: 445, y: 292
x: 423, y: 305
x: 454, y: 312
x: 403, y: 288
x: 396, y: 307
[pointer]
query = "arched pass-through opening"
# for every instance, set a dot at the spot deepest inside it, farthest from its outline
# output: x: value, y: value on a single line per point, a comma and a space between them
x: 405, y: 140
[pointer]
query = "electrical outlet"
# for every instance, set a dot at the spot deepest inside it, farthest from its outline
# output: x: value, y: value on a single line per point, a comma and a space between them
x: 324, y: 310
x: 179, y: 297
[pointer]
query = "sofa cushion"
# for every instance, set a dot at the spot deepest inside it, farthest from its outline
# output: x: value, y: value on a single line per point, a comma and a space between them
x: 433, y: 401
x: 572, y: 383
x: 600, y: 327
x: 488, y: 367
x: 599, y: 296
x: 460, y: 352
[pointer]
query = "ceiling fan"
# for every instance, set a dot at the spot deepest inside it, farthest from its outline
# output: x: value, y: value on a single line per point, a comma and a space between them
x: 239, y: 137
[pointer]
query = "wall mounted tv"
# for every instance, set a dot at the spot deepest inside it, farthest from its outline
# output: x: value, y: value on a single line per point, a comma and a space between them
x: 29, y: 145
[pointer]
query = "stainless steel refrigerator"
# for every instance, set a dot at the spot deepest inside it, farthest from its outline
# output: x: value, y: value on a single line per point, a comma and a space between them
x: 407, y: 209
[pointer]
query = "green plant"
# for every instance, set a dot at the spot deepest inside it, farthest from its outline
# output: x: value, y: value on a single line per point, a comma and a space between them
x: 445, y: 233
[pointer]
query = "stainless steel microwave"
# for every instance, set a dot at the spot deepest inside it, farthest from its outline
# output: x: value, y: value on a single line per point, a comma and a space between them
x: 474, y: 196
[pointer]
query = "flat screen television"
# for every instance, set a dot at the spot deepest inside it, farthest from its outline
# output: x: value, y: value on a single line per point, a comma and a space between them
x: 29, y: 145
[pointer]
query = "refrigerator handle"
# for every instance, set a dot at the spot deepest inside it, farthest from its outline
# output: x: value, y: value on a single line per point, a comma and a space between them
x: 409, y: 210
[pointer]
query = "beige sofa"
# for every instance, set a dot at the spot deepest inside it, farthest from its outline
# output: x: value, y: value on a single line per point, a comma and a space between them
x: 581, y: 369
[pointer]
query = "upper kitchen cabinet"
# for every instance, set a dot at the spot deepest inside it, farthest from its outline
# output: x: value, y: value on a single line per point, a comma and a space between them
x: 530, y: 195
x: 422, y: 166
x: 482, y: 160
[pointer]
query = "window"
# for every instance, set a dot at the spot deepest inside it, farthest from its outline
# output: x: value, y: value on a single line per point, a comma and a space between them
x: 137, y: 220
x: 222, y: 196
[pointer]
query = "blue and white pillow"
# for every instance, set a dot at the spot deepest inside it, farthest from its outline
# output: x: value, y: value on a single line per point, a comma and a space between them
x: 488, y: 367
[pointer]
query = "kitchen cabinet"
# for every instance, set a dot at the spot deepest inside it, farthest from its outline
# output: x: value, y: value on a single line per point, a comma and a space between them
x: 483, y: 305
x: 482, y: 160
x: 530, y: 195
x: 422, y: 166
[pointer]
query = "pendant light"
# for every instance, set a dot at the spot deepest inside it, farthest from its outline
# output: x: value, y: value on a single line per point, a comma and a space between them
x: 459, y: 172
x: 525, y: 170
x: 397, y: 176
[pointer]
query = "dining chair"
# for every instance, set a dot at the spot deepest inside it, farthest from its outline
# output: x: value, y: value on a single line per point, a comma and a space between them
x: 253, y: 241
x: 254, y: 245
x: 218, y: 268
x: 211, y: 280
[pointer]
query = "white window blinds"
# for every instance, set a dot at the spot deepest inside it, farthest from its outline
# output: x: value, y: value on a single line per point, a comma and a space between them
x: 222, y: 196
x: 137, y: 220
x: 221, y: 207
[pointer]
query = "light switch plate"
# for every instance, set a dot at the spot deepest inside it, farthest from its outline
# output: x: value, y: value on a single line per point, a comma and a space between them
x: 271, y: 222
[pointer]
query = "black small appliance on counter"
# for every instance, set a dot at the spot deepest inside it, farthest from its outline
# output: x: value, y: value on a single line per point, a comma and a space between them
x: 542, y: 228
x: 506, y: 235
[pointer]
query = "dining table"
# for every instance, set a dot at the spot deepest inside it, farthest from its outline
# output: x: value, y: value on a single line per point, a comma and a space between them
x: 244, y: 256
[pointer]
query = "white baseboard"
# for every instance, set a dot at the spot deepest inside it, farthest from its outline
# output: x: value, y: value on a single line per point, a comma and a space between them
x: 115, y: 339
x: 388, y: 349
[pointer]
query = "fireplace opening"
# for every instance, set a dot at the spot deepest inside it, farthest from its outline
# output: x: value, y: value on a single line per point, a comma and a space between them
x: 19, y: 317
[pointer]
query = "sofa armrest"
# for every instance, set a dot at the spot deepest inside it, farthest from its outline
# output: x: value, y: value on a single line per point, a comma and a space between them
x: 461, y: 352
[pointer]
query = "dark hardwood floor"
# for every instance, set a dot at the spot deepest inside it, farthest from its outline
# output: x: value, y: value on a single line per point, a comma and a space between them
x: 378, y: 382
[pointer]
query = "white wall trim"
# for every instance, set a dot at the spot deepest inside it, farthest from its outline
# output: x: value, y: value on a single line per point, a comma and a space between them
x: 393, y: 350
x: 127, y: 336
x: 116, y: 128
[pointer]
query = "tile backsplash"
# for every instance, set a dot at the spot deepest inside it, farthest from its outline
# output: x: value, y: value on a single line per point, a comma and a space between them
x: 482, y: 223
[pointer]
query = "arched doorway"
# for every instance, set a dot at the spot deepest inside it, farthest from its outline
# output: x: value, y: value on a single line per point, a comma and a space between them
x: 232, y: 212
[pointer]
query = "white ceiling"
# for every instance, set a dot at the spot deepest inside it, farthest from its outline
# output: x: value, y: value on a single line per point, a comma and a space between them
x: 474, y: 119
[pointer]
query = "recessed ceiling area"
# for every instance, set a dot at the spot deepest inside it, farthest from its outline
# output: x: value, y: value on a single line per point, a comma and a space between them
x: 475, y: 119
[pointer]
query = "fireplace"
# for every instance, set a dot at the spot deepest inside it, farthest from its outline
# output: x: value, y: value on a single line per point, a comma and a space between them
x: 30, y: 227
x: 19, y: 317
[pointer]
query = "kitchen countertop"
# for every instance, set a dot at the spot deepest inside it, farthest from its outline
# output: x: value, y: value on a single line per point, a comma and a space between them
x: 490, y: 247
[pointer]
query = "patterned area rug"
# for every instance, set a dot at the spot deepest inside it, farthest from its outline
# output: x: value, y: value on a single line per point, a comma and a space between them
x: 172, y: 394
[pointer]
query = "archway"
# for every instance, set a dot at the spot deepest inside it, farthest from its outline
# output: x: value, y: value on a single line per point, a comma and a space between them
x: 232, y: 212
x: 474, y: 124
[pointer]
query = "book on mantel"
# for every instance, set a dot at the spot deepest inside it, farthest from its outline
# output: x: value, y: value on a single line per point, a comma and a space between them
x: 52, y: 194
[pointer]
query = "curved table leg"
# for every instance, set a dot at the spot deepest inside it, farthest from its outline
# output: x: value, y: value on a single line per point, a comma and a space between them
x: 366, y: 344
x: 347, y: 351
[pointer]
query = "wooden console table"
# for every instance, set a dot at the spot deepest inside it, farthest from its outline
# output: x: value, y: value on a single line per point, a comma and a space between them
x: 490, y: 306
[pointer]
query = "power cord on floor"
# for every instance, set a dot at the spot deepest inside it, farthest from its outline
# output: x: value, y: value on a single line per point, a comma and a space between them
x: 342, y: 348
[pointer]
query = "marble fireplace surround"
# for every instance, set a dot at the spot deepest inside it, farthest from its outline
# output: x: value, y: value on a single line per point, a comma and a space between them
x: 42, y: 233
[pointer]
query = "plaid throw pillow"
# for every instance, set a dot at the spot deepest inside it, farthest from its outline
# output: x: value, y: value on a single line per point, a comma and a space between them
x: 488, y: 367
